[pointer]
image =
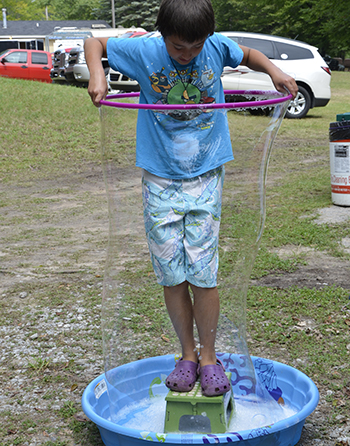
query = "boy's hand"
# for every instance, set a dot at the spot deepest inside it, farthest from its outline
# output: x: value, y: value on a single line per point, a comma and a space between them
x: 98, y: 87
x: 283, y: 82
x: 95, y: 49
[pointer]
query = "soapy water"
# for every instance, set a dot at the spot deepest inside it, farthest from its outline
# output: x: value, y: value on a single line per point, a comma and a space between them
x: 148, y: 415
x: 129, y: 280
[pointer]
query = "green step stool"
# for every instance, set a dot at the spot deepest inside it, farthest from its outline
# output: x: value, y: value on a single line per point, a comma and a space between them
x: 192, y: 412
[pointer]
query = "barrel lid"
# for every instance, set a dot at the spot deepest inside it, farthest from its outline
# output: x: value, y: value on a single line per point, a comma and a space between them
x: 343, y: 117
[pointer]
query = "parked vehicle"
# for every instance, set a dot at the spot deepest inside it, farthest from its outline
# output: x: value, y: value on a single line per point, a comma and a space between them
x: 76, y: 64
x: 133, y: 34
x: 26, y: 64
x: 118, y: 81
x: 298, y: 59
x: 335, y: 64
x: 77, y: 71
x: 59, y: 64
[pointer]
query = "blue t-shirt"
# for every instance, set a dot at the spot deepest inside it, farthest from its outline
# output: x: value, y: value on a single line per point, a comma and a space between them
x: 182, y: 143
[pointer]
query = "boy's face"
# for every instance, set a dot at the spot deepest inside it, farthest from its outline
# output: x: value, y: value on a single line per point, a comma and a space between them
x: 181, y: 51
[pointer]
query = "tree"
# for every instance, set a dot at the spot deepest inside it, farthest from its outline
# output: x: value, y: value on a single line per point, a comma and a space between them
x: 137, y: 13
x: 70, y: 9
x: 104, y: 11
x: 322, y: 23
x: 23, y: 10
x: 336, y: 27
x: 130, y: 13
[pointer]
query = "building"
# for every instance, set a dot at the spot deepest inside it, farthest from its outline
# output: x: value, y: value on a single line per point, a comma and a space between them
x: 41, y: 34
x: 69, y: 37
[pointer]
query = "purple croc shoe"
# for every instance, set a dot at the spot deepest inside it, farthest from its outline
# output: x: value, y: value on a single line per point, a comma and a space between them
x: 183, y: 377
x: 214, y: 381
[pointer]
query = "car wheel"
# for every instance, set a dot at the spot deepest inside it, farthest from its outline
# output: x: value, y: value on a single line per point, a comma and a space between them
x: 300, y: 106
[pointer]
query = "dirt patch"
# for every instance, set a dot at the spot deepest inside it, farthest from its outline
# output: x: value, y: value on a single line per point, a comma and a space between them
x: 53, y: 247
x: 55, y: 227
x: 333, y: 214
x: 321, y: 270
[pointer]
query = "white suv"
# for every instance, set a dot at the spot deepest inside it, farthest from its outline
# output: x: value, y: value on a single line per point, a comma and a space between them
x: 295, y: 58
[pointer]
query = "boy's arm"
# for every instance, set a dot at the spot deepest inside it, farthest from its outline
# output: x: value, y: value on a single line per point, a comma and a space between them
x: 257, y: 61
x: 95, y: 49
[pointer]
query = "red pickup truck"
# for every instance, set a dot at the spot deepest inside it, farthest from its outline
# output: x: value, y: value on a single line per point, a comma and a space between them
x: 26, y: 64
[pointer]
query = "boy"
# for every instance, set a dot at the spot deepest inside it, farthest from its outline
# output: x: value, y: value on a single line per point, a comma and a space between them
x: 182, y: 154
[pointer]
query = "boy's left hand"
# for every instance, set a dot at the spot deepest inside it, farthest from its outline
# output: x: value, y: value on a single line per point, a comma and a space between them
x: 283, y: 82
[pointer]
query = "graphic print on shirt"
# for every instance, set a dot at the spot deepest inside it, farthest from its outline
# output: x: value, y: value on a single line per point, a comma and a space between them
x: 183, y: 87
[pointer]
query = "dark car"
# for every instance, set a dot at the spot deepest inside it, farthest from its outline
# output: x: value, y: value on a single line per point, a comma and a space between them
x: 334, y: 64
x: 26, y: 64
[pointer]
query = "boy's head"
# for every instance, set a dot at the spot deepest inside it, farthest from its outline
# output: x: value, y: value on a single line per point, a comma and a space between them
x: 189, y: 20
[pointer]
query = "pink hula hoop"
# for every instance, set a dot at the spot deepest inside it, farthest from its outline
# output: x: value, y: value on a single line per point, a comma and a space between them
x: 279, y: 98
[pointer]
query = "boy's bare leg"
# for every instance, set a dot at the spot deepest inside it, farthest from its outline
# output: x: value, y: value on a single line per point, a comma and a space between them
x: 206, y: 310
x: 180, y: 309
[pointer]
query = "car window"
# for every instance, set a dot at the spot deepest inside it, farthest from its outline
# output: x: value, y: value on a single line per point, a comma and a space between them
x: 39, y: 58
x: 17, y: 57
x: 265, y: 46
x: 292, y: 52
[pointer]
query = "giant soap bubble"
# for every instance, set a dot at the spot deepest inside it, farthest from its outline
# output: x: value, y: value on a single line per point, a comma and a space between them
x: 135, y: 323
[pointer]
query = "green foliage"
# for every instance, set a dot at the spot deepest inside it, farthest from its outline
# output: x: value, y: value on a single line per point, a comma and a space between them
x: 70, y: 9
x: 322, y: 23
x: 23, y: 10
x: 336, y: 27
x: 39, y: 364
x: 132, y: 13
x: 57, y: 9
x: 68, y: 410
x: 104, y: 11
x: 137, y: 13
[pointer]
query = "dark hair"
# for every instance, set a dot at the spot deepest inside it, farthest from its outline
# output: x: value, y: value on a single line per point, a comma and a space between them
x: 190, y: 20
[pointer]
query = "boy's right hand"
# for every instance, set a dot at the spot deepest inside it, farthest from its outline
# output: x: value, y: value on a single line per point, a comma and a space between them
x: 98, y: 87
x: 95, y: 49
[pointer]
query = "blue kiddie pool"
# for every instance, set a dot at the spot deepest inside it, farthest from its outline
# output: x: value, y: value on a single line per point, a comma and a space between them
x: 284, y: 383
